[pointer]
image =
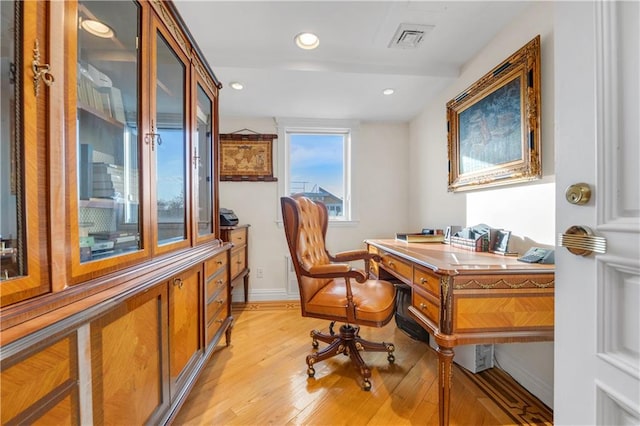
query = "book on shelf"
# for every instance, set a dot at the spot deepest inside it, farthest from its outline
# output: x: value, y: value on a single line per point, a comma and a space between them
x: 117, y: 106
x: 118, y: 236
x: 420, y: 238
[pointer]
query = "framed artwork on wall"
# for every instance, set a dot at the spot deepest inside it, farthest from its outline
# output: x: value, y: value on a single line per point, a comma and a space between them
x: 494, y: 126
x: 246, y: 157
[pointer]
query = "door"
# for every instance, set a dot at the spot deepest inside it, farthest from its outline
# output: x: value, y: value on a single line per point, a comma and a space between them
x: 597, y: 346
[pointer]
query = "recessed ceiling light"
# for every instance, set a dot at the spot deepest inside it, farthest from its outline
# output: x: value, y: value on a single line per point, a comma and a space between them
x: 97, y: 28
x: 307, y: 41
x: 388, y: 91
x: 236, y: 85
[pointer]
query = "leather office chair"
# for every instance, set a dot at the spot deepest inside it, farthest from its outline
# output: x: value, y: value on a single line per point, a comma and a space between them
x: 331, y: 289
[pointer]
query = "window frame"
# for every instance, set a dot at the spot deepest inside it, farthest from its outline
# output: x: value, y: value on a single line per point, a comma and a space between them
x: 348, y: 129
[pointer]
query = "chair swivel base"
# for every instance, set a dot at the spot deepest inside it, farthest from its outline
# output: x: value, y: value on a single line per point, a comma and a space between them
x: 349, y: 343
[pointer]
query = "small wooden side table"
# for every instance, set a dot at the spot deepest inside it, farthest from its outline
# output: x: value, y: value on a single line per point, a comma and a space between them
x: 238, y: 235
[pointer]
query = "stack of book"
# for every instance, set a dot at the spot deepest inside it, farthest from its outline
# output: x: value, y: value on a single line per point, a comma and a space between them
x: 420, y: 238
x: 108, y: 241
x: 108, y: 180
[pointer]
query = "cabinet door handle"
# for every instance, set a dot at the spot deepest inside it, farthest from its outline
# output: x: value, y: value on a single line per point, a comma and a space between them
x: 40, y: 71
x: 177, y: 282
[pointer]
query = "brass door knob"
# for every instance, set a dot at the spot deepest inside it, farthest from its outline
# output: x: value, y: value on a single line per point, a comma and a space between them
x: 580, y: 241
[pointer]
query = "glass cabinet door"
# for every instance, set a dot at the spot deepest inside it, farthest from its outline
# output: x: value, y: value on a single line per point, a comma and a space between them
x: 203, y: 163
x: 108, y: 153
x: 168, y: 140
x: 24, y: 143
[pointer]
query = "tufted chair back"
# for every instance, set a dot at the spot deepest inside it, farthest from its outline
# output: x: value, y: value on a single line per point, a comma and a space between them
x: 306, y: 227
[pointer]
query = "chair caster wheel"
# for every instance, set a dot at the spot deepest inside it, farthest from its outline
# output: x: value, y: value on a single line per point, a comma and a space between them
x: 311, y: 372
x: 391, y: 358
x: 366, y: 385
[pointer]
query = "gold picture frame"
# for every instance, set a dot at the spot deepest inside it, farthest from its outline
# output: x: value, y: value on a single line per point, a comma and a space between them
x: 246, y: 157
x: 493, y: 126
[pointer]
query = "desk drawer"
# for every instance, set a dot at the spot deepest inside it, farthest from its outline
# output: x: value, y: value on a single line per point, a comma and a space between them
x: 427, y: 280
x: 238, y: 237
x: 238, y: 261
x: 426, y: 306
x: 398, y: 267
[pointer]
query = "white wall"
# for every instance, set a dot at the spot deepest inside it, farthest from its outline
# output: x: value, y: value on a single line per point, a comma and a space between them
x: 526, y: 209
x: 380, y: 182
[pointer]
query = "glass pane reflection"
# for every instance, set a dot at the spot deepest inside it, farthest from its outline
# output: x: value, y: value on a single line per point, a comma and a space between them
x: 107, y: 139
x: 204, y: 163
x: 170, y: 145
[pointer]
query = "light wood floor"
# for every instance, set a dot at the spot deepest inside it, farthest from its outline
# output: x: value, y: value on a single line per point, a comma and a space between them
x: 260, y: 379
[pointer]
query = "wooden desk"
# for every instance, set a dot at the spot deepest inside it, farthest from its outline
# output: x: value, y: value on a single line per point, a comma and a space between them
x: 462, y: 297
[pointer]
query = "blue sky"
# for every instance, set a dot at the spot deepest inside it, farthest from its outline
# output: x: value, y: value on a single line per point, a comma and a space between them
x: 317, y: 159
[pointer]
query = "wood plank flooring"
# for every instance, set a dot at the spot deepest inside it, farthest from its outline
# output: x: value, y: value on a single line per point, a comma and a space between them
x: 260, y: 379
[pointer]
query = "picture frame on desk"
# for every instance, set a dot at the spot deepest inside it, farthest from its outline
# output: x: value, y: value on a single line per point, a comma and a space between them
x: 493, y: 126
x: 499, y: 242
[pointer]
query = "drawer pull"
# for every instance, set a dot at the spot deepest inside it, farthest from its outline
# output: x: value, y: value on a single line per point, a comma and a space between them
x: 219, y: 321
x: 219, y: 262
x: 423, y: 306
x: 177, y: 282
x: 390, y: 263
x: 423, y: 280
x: 219, y: 282
x: 220, y: 301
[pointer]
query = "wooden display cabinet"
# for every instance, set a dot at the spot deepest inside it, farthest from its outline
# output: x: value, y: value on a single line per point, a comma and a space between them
x: 115, y: 287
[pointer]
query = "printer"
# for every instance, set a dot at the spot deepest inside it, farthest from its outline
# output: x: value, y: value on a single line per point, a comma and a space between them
x: 228, y: 217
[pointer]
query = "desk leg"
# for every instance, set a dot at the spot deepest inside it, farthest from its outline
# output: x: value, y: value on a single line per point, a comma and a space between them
x: 246, y: 287
x: 445, y: 360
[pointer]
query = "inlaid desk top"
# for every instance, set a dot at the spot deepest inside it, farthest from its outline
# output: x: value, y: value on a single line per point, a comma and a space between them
x: 445, y: 259
x: 464, y: 297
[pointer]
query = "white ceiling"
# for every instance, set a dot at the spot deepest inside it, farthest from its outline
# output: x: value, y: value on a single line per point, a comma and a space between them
x: 252, y: 42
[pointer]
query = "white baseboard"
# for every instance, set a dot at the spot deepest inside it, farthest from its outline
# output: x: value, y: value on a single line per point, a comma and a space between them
x: 265, y: 295
x: 528, y: 379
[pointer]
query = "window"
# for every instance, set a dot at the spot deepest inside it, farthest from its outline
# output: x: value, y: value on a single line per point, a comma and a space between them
x: 317, y: 164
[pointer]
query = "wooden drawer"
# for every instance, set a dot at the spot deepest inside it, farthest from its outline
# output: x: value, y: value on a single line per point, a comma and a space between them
x: 214, y: 325
x: 215, y: 263
x: 426, y: 306
x: 215, y: 284
x: 215, y: 303
x: 397, y: 267
x: 238, y: 261
x: 427, y: 280
x: 238, y: 237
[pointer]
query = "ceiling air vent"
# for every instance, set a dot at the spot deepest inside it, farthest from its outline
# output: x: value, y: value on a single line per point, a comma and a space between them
x: 409, y: 36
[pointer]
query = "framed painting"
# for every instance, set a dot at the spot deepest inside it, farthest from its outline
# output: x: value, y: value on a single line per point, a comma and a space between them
x: 246, y: 157
x: 494, y: 126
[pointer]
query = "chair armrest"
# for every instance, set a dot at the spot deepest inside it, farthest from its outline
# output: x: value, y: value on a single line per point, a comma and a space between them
x: 347, y: 256
x: 335, y: 270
